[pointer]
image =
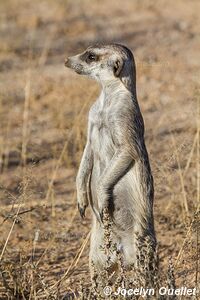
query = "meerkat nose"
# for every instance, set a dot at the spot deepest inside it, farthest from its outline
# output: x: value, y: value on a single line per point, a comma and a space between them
x: 66, y: 62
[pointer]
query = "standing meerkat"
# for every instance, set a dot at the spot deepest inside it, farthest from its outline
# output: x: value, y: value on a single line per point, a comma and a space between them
x: 114, y: 172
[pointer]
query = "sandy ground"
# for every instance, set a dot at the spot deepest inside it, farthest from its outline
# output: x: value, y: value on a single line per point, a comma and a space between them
x: 43, y: 113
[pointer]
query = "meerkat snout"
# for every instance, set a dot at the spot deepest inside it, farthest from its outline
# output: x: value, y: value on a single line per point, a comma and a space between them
x: 66, y: 62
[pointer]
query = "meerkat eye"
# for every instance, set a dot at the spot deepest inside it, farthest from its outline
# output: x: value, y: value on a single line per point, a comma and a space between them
x: 91, y: 57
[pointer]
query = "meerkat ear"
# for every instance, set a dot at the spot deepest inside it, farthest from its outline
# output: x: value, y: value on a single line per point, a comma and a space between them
x: 118, y: 66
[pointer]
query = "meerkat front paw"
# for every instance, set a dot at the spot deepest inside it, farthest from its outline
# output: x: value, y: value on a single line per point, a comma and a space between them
x: 82, y: 203
x: 102, y: 208
x: 103, y: 202
x: 82, y: 210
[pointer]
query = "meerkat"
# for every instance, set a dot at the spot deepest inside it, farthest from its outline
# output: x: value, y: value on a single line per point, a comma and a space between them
x: 114, y: 172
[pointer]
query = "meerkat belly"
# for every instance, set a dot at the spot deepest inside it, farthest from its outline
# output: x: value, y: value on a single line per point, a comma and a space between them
x: 102, y: 146
x: 103, y: 150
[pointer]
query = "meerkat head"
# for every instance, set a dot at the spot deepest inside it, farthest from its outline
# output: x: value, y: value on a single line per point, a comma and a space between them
x: 104, y: 63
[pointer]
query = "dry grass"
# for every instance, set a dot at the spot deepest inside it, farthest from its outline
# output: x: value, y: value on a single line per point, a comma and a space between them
x: 43, y: 111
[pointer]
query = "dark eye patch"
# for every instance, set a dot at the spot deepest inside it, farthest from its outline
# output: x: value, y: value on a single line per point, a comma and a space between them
x: 89, y: 57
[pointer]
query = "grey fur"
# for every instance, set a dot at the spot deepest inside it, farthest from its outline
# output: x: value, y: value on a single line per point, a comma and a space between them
x: 115, y: 172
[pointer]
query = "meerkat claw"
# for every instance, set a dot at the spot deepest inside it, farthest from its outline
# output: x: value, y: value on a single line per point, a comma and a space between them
x: 82, y: 211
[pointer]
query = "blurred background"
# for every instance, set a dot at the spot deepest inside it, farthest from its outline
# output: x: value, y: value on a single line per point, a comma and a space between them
x: 43, y: 122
